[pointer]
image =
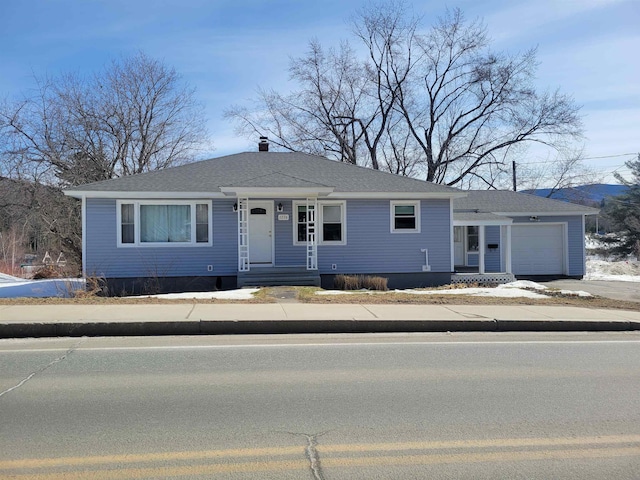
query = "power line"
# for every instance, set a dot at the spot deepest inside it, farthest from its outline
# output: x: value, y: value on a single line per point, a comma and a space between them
x: 610, y: 156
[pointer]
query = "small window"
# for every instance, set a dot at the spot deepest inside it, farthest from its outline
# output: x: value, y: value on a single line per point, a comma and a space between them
x: 332, y: 223
x: 258, y: 211
x: 202, y: 223
x: 127, y: 223
x: 472, y: 239
x: 405, y: 217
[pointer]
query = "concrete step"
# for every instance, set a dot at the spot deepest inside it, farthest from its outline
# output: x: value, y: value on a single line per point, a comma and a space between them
x: 269, y: 277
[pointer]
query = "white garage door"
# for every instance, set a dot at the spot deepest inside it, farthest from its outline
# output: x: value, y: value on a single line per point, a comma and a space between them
x: 537, y: 249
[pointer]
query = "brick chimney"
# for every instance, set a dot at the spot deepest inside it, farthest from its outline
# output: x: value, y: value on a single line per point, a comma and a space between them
x: 263, y: 146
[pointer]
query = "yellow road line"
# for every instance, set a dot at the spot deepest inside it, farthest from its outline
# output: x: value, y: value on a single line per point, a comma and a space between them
x: 322, y: 449
x: 489, y: 443
x: 512, y: 456
x: 278, y: 466
x: 164, y: 472
x: 151, y: 457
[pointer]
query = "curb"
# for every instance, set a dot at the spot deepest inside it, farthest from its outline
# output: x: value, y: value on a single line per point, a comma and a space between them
x: 246, y: 327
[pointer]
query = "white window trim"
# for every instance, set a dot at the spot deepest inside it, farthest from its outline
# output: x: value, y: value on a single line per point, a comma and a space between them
x: 392, y: 215
x: 136, y: 221
x: 320, y: 222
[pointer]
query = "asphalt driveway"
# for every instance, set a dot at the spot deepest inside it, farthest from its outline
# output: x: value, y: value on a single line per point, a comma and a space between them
x: 604, y: 288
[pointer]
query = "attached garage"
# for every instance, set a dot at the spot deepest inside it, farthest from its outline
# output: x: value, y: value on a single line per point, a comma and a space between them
x: 538, y: 249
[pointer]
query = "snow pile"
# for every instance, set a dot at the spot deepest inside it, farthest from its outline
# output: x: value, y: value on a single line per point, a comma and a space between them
x: 56, y: 287
x: 240, y: 294
x: 620, y: 271
x: 8, y: 278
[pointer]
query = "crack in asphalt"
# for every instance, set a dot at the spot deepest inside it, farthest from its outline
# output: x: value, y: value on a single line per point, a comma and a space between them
x: 311, y: 452
x: 314, y: 458
x: 42, y: 369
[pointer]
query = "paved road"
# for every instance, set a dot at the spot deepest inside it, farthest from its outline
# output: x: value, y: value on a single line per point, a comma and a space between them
x: 479, y: 406
x: 628, y: 291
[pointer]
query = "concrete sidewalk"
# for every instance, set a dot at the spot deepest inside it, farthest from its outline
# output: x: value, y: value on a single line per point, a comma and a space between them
x: 18, y: 321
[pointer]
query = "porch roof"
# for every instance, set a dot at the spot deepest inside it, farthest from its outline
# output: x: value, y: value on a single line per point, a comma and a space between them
x: 479, y: 218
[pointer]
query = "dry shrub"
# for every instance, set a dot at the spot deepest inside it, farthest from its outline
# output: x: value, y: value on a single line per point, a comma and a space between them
x: 346, y: 282
x: 94, y: 287
x: 358, y: 282
x: 46, y: 272
x: 374, y: 283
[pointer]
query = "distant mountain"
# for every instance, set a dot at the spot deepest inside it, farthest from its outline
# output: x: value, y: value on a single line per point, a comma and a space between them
x: 583, y: 194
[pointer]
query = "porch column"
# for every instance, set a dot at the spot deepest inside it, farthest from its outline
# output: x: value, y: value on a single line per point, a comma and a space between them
x: 243, y: 234
x: 482, y: 246
x: 312, y: 237
x: 507, y: 249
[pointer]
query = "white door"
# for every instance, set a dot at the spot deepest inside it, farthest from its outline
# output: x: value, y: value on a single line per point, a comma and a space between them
x: 458, y: 245
x: 537, y: 249
x: 260, y: 233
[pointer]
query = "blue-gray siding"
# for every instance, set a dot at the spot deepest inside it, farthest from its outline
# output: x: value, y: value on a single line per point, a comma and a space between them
x: 370, y: 248
x: 492, y: 255
x: 104, y: 258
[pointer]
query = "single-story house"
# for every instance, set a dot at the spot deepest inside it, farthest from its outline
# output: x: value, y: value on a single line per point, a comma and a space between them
x: 264, y: 218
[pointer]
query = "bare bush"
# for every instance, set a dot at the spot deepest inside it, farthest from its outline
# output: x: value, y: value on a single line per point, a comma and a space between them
x: 358, y: 282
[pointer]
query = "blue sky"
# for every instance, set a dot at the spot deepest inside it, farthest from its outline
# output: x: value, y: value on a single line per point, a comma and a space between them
x: 226, y: 49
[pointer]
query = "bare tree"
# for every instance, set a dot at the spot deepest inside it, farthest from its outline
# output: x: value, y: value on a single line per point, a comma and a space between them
x: 438, y: 103
x: 325, y: 116
x: 134, y: 116
x: 344, y: 108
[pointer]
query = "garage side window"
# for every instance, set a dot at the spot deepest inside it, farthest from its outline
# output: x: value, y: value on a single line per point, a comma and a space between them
x: 472, y: 238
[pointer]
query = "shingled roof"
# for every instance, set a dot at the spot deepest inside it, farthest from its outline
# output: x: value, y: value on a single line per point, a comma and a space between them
x: 265, y: 170
x: 506, y: 201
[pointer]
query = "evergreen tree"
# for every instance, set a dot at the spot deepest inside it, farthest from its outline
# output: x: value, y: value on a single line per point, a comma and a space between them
x: 624, y: 212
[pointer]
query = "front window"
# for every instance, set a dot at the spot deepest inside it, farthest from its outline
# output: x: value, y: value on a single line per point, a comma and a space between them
x: 330, y: 223
x: 153, y: 223
x: 405, y: 217
x: 165, y: 223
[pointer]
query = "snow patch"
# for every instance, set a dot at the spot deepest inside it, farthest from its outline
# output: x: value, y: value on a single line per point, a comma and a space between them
x: 57, y: 287
x: 511, y: 292
x: 239, y: 294
x: 576, y: 293
x: 517, y: 289
x: 523, y: 284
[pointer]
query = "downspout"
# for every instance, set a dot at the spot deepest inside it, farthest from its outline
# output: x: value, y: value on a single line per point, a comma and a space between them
x: 84, y: 236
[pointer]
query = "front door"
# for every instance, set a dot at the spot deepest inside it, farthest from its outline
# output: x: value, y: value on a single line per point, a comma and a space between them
x: 260, y: 233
